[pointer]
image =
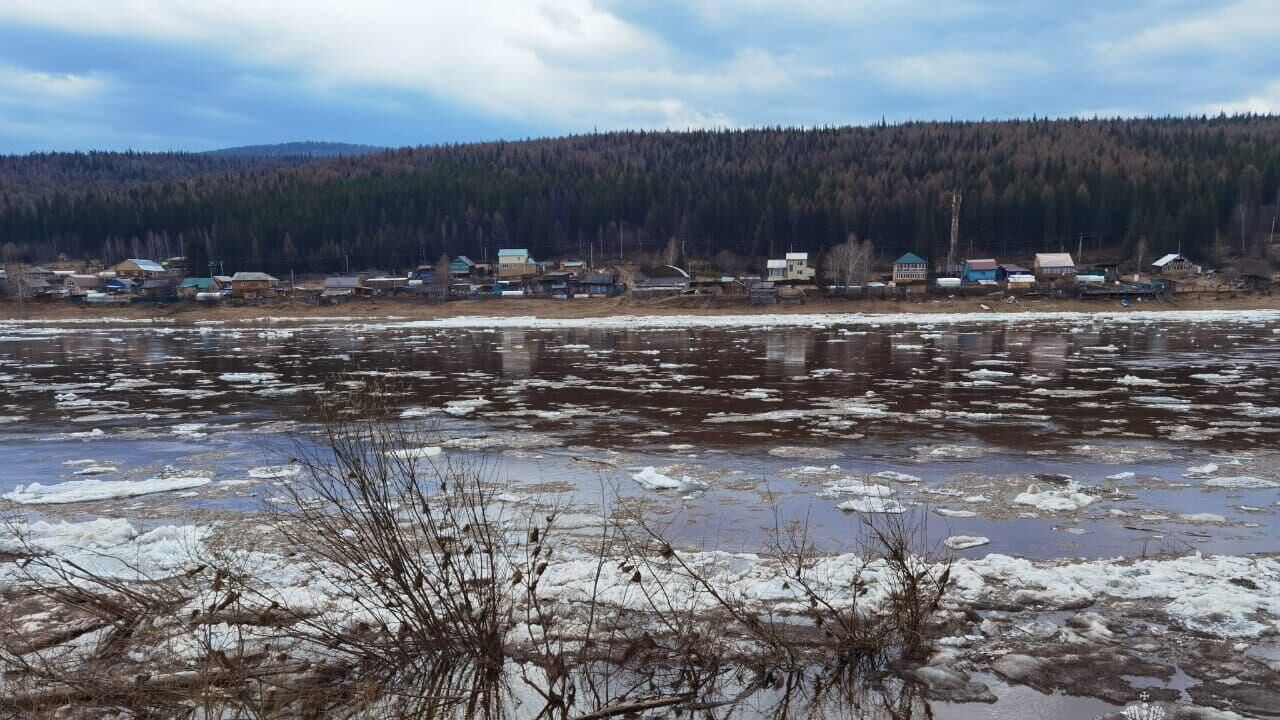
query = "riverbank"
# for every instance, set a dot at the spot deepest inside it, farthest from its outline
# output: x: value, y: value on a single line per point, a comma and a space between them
x: 604, y: 307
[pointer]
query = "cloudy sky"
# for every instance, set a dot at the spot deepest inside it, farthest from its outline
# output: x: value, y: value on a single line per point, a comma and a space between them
x: 202, y: 74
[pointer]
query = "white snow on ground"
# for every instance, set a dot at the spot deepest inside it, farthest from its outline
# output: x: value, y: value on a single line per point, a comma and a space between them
x: 275, y: 472
x: 1201, y: 594
x: 654, y: 480
x: 106, y: 546
x: 1067, y: 499
x: 94, y: 489
x: 417, y: 452
x: 1234, y: 317
x: 964, y: 542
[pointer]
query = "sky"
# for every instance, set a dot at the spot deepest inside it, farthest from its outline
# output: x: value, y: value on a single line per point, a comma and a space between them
x: 203, y: 74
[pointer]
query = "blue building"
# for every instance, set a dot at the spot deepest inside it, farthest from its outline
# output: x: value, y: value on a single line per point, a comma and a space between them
x: 976, y: 271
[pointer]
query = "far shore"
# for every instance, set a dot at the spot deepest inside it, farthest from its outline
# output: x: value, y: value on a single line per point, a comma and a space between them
x: 372, y: 309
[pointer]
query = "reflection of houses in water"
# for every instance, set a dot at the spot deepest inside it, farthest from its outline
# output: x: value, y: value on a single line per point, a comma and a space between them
x: 517, y: 352
x: 788, y: 352
x: 1048, y: 351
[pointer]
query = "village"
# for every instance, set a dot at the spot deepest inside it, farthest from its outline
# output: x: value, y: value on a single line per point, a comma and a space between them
x: 517, y: 274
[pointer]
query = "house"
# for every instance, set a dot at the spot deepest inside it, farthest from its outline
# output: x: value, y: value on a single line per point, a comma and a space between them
x: 386, y: 283
x: 661, y: 281
x: 798, y: 269
x: 83, y: 284
x: 345, y: 286
x: 1174, y: 264
x: 1051, y: 266
x: 776, y: 270
x: 253, y: 285
x: 1008, y: 270
x: 159, y: 288
x: 137, y: 269
x: 980, y: 271
x: 121, y: 286
x: 515, y: 263
x: 910, y: 269
x: 577, y: 267
x: 461, y: 266
x: 597, y: 284
x: 190, y: 287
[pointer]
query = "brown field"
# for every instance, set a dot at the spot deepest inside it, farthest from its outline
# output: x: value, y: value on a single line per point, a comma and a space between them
x: 587, y: 308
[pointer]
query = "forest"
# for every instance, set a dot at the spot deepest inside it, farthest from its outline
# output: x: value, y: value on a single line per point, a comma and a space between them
x: 1207, y: 186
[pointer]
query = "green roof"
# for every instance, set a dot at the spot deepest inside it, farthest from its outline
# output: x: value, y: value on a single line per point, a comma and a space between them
x: 910, y: 259
x: 198, y: 283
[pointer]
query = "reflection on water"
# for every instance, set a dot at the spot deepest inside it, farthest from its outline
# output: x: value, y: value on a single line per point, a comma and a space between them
x: 970, y: 410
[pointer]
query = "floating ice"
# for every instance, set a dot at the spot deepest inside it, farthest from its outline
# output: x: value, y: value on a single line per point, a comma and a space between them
x: 964, y: 542
x: 275, y: 472
x: 1068, y: 499
x: 654, y: 480
x: 872, y: 505
x: 89, y: 490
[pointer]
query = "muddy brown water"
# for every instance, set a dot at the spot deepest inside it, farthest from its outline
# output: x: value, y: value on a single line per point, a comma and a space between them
x: 758, y: 419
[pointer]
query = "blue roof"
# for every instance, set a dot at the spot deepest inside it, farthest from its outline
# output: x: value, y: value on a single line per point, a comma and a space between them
x: 512, y: 252
x: 147, y: 265
x: 199, y: 283
x: 910, y: 259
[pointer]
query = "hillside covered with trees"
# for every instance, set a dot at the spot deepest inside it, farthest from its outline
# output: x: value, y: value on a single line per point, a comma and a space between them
x: 1206, y: 185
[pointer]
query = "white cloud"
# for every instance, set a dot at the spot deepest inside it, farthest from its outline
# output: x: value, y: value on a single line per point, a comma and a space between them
x: 1263, y: 103
x: 1232, y: 28
x: 947, y: 73
x: 566, y: 62
x: 32, y: 88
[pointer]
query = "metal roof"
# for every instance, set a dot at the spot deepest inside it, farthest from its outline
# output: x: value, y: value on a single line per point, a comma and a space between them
x: 910, y: 259
x: 798, y: 256
x: 147, y: 265
x: 342, y: 282
x: 252, y: 276
x: 1168, y: 259
x: 1055, y: 260
x: 776, y: 264
x: 983, y: 264
x: 513, y: 252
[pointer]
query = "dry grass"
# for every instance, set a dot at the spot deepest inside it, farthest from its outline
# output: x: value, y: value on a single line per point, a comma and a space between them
x: 436, y: 608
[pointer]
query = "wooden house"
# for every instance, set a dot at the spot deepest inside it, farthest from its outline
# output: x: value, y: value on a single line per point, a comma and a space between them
x: 1052, y: 266
x: 1174, y: 265
x: 515, y: 263
x: 138, y: 269
x: 253, y: 285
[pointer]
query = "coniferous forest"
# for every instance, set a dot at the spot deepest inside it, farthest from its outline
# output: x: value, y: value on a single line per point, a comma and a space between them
x: 1206, y: 185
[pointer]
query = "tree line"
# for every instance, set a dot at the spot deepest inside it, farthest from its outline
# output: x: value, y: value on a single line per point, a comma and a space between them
x: 1207, y: 186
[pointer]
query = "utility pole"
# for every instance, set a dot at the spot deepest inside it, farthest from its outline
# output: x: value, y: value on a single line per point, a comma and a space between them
x: 955, y: 229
